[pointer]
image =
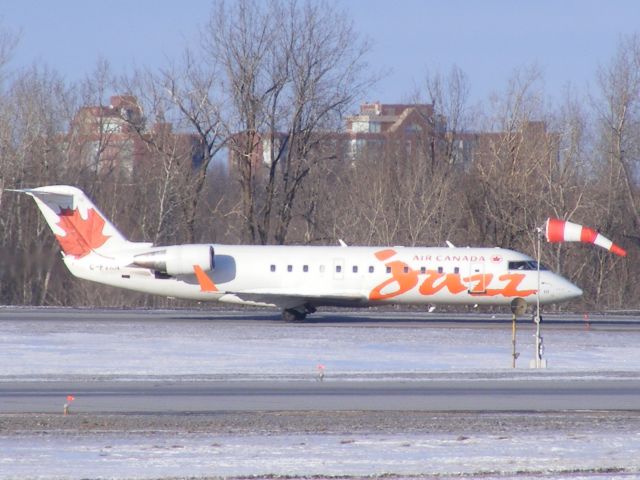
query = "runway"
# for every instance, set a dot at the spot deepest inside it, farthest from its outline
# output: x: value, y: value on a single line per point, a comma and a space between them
x: 99, y: 397
x: 172, y: 361
x: 266, y: 318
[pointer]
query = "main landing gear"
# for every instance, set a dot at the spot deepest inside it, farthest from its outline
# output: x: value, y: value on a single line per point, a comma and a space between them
x: 292, y: 315
x: 297, y: 314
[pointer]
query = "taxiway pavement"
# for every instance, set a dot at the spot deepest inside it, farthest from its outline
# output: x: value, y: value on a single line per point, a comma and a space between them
x: 271, y: 395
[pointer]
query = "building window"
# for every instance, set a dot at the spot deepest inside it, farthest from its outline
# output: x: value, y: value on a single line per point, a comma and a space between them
x: 413, y: 128
x: 273, y: 268
x: 289, y: 268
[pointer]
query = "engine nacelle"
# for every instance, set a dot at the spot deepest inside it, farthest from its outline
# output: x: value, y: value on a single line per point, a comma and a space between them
x: 177, y: 259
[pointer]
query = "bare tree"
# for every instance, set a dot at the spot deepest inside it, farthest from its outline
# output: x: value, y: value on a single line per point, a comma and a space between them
x: 290, y: 70
x: 182, y: 131
x: 31, y: 153
x: 504, y: 193
x: 9, y: 39
x: 450, y: 99
x: 614, y: 185
x: 619, y: 117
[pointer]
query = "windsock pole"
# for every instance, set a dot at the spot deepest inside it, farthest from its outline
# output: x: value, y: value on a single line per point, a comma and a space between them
x: 514, y: 354
x: 538, y: 336
x: 537, y: 362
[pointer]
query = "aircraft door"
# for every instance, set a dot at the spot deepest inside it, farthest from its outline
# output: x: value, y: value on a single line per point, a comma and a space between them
x: 477, y: 280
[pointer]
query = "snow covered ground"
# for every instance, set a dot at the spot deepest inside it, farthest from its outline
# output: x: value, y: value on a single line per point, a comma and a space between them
x: 147, y: 347
x: 110, y: 348
x: 196, y: 455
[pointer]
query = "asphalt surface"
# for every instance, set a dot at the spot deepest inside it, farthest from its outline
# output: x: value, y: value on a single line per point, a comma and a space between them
x: 360, y: 317
x: 224, y: 396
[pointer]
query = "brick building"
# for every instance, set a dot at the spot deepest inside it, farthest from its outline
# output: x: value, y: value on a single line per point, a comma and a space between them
x: 412, y: 129
x: 116, y: 138
x: 407, y: 131
x: 531, y: 141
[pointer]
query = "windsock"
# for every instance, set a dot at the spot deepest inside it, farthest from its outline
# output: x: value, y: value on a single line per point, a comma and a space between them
x: 562, y: 231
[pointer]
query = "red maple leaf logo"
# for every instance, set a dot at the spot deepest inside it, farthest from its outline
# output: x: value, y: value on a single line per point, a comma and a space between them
x: 82, y: 235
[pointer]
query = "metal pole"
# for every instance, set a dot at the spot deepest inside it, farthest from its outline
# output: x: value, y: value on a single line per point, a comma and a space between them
x: 514, y: 354
x: 538, y: 343
x: 538, y: 308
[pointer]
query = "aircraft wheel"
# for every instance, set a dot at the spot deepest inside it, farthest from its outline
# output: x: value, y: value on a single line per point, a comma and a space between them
x: 293, y: 315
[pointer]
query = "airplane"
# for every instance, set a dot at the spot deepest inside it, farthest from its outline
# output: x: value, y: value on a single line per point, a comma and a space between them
x: 295, y: 279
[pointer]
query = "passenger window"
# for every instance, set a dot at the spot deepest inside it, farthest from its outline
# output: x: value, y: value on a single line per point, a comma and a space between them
x: 289, y: 268
x: 370, y: 269
x: 388, y: 269
x: 405, y: 269
x: 305, y: 268
x: 423, y: 270
x: 273, y: 268
x: 338, y: 268
x: 355, y: 269
x: 440, y: 269
x: 321, y: 268
x: 456, y: 270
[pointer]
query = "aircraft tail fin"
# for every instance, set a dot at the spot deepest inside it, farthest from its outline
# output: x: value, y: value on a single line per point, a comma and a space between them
x: 80, y: 228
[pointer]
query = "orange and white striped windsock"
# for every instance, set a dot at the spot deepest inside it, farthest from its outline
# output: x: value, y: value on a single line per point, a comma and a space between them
x: 557, y: 230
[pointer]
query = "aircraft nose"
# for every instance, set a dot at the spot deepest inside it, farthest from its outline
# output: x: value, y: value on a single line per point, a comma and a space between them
x: 574, y: 291
x: 568, y: 290
x: 560, y: 289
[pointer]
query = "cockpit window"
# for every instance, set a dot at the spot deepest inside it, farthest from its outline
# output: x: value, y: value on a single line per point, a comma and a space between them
x: 526, y: 265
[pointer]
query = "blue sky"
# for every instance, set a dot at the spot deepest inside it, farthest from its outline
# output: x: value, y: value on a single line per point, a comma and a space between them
x: 566, y: 39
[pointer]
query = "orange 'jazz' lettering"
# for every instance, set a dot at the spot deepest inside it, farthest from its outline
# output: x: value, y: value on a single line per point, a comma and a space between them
x: 437, y: 281
x: 480, y: 282
x: 511, y: 288
x: 404, y: 280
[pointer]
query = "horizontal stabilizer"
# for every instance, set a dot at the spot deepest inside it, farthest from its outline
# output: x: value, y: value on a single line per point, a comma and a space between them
x: 62, y: 200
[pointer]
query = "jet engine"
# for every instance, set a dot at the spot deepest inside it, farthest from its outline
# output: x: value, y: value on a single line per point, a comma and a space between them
x: 177, y: 259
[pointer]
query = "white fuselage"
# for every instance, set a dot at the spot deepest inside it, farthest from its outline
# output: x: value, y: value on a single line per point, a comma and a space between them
x: 289, y: 276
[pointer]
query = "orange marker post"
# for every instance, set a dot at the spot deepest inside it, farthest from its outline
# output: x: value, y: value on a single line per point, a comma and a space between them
x: 65, y: 408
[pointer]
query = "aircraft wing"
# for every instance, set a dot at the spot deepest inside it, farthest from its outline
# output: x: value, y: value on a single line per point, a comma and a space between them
x: 288, y: 299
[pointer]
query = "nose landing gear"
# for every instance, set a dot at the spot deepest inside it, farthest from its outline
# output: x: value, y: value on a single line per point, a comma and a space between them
x: 518, y: 307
